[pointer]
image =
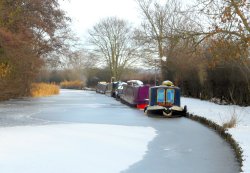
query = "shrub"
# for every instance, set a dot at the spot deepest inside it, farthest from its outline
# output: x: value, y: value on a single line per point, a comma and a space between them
x: 232, y: 122
x: 72, y: 84
x: 43, y: 89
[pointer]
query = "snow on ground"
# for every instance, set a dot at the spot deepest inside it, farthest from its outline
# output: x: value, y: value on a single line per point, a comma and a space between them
x: 72, y: 148
x: 221, y: 114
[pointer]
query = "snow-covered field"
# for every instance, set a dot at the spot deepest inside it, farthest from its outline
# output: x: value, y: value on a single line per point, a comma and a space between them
x: 72, y: 148
x: 221, y: 114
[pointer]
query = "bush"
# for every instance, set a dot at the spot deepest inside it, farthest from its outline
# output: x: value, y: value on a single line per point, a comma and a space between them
x: 233, y: 121
x: 43, y: 89
x: 72, y: 84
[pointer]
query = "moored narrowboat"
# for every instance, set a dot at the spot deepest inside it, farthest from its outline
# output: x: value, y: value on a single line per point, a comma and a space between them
x: 119, y: 90
x: 135, y: 94
x: 115, y: 86
x: 101, y: 87
x: 165, y: 100
x: 109, y: 89
x: 112, y: 88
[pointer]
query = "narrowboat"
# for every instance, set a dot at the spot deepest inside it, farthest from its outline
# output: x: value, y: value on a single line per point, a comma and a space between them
x: 135, y: 94
x: 115, y: 86
x: 101, y: 87
x: 112, y: 88
x: 108, y: 89
x: 165, y: 100
x: 119, y: 89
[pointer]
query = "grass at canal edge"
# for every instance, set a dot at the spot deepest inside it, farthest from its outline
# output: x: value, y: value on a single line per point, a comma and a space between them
x: 223, y: 133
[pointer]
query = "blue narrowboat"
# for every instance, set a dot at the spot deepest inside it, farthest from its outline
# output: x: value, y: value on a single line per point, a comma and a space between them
x: 165, y: 100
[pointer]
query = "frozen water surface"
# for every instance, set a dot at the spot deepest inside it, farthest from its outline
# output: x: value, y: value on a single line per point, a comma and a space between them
x: 73, y: 148
x: 81, y: 131
x: 222, y: 114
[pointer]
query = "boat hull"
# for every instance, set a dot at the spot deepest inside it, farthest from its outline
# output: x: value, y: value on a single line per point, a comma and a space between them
x: 136, y: 96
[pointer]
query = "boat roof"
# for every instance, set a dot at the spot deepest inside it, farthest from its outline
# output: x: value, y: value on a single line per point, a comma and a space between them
x: 164, y: 86
x: 135, y: 82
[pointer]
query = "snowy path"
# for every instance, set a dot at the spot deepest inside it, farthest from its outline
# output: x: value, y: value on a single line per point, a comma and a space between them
x: 81, y: 131
x: 221, y: 114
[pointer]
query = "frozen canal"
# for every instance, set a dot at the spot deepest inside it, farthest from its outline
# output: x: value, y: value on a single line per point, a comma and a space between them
x: 81, y: 131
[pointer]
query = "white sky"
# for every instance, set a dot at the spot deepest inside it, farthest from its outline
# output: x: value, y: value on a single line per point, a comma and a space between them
x: 86, y: 13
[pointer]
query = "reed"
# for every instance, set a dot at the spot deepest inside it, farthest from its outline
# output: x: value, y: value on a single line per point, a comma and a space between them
x: 77, y: 84
x: 44, y: 89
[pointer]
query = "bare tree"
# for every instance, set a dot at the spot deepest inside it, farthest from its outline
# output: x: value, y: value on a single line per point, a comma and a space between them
x: 111, y: 41
x: 161, y: 29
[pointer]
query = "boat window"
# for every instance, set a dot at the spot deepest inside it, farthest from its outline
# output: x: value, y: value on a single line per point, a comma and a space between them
x: 161, y: 95
x: 170, y: 96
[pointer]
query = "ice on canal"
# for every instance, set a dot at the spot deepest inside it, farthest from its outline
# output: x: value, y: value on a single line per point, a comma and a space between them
x: 81, y: 131
x: 72, y: 148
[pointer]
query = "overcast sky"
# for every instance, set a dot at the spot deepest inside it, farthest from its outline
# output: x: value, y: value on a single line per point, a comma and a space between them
x: 86, y: 13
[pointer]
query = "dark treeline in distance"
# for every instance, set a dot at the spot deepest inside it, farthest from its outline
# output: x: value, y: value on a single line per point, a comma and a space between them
x: 217, y: 71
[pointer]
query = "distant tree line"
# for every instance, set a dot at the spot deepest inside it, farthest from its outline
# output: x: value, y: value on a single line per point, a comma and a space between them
x: 216, y: 72
x: 93, y: 75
